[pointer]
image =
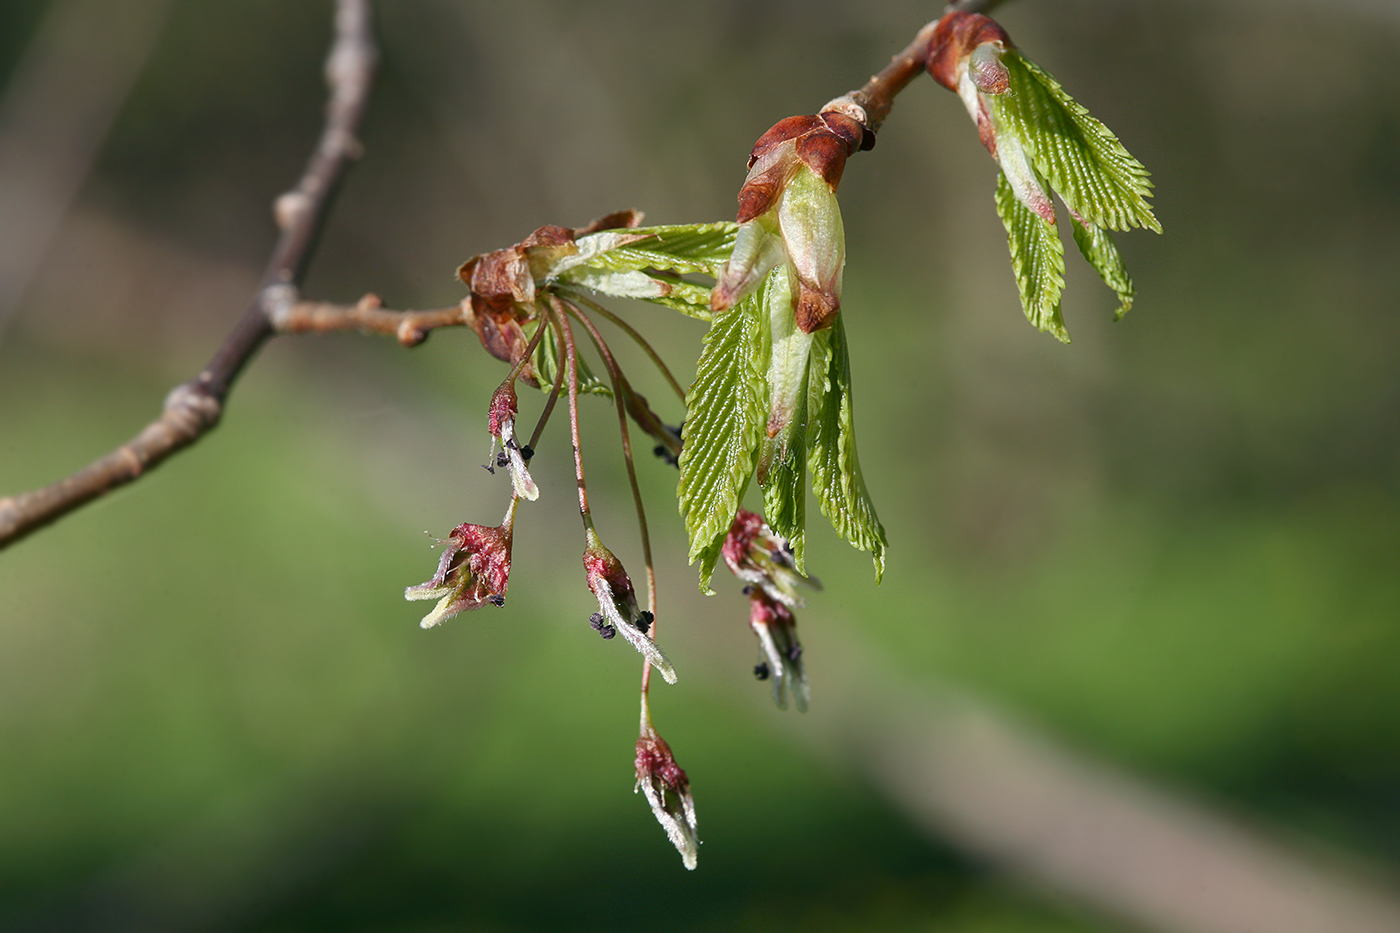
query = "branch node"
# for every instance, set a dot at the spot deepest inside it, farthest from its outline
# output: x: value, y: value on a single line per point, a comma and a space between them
x: 278, y: 300
x: 289, y: 209
x: 191, y: 410
x: 409, y: 335
x: 847, y: 105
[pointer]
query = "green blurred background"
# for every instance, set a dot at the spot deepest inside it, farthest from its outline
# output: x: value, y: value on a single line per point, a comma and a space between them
x: 1172, y: 547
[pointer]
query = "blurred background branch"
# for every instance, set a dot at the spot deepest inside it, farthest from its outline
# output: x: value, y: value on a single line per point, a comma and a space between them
x: 65, y: 92
x: 194, y: 408
x: 970, y: 774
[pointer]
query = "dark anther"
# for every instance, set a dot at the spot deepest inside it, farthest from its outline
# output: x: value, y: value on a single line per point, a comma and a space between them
x: 794, y: 653
x: 511, y: 445
x: 644, y: 621
x: 664, y: 453
x: 527, y: 452
x: 607, y: 632
x: 496, y: 599
x: 502, y: 460
x: 489, y: 468
x: 748, y: 589
x: 761, y: 671
x: 596, y: 621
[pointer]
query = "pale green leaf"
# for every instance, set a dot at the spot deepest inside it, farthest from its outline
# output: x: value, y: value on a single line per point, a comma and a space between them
x: 785, y: 497
x: 782, y: 457
x: 657, y: 287
x: 1097, y: 247
x: 683, y: 248
x: 723, y: 423
x: 1037, y: 258
x: 649, y: 263
x: 686, y: 248
x: 836, y: 476
x: 1082, y: 159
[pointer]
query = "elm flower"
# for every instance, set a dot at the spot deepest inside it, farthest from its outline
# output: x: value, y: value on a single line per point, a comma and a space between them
x: 473, y: 571
x: 667, y: 789
x: 617, y: 604
x: 763, y: 559
x: 500, y: 422
x: 788, y: 216
x: 776, y: 628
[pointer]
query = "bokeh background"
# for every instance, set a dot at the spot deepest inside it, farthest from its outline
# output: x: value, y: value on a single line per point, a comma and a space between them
x: 1169, y: 551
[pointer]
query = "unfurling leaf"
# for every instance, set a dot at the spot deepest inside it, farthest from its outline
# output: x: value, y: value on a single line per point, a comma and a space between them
x: 1097, y: 247
x: 1037, y: 258
x: 1082, y: 159
x: 836, y: 475
x: 649, y: 262
x: 782, y: 455
x: 723, y: 424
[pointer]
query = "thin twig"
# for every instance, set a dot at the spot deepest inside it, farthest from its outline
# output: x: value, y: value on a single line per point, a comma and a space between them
x: 193, y: 409
x: 620, y: 390
x: 367, y: 315
x: 571, y: 357
x: 553, y: 396
x: 877, y: 96
x: 637, y: 338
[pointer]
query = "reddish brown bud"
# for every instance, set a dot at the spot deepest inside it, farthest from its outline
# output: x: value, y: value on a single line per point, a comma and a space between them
x: 954, y: 38
x: 785, y: 129
x: 788, y: 211
x: 815, y: 308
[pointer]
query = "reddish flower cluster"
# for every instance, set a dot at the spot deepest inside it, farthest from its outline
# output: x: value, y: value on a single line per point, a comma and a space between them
x: 474, y: 570
x: 764, y: 562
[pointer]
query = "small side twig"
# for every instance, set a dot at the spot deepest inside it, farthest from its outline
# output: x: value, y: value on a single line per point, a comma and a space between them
x: 368, y: 316
x: 192, y: 409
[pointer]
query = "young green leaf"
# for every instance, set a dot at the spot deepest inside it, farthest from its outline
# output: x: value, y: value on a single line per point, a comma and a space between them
x: 1037, y: 258
x: 1097, y: 247
x: 685, y: 248
x: 1082, y: 159
x: 723, y: 424
x: 648, y: 263
x: 836, y: 475
x: 657, y: 287
x: 782, y: 456
x: 785, y: 498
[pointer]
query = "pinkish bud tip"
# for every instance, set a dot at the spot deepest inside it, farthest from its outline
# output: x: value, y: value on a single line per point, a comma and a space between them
x: 617, y: 605
x: 667, y: 790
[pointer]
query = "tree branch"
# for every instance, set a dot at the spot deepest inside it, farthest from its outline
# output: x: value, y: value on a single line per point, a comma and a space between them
x: 193, y: 409
x: 368, y: 316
